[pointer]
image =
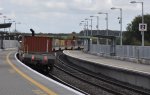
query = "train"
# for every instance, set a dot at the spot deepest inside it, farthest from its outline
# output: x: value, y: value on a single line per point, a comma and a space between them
x: 39, y: 51
x: 67, y: 44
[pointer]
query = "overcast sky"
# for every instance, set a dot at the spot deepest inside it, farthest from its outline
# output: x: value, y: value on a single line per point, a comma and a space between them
x: 64, y: 16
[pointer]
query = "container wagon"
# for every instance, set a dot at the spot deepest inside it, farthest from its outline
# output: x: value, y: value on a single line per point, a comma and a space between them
x: 37, y: 51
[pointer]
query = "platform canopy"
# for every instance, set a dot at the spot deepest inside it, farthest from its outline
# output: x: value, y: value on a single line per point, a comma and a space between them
x: 5, y: 25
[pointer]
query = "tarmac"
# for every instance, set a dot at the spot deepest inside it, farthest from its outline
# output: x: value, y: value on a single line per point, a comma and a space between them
x: 18, y: 79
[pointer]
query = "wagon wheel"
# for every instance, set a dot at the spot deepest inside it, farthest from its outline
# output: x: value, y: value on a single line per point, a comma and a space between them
x: 49, y: 69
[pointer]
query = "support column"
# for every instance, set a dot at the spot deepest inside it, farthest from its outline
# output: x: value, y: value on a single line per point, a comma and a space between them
x: 113, y: 47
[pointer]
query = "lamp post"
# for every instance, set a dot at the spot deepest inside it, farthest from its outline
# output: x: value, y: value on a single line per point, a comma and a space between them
x: 10, y: 22
x: 5, y: 22
x: 4, y: 18
x: 97, y: 26
x: 106, y: 24
x: 113, y: 8
x: 87, y: 24
x: 83, y: 22
x: 84, y: 30
x: 1, y: 14
x: 1, y: 38
x: 7, y: 19
x: 90, y: 25
x: 16, y: 25
x: 9, y: 28
x: 4, y: 36
x: 142, y: 32
x: 80, y: 24
x: 84, y: 26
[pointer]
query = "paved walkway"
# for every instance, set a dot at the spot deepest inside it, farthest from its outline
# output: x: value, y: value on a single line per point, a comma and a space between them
x: 140, y: 68
x: 17, y: 79
x: 11, y: 83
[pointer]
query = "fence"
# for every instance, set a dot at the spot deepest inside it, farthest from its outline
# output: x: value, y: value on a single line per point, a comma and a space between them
x: 10, y: 44
x: 122, y: 51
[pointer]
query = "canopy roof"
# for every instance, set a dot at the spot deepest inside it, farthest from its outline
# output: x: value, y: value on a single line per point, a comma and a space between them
x: 5, y: 25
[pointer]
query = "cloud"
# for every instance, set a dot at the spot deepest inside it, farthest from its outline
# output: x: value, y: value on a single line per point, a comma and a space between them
x: 45, y: 15
x: 126, y: 5
x: 66, y: 14
x: 1, y: 8
x: 12, y: 15
x: 24, y: 2
x: 90, y: 5
x: 56, y: 5
x: 82, y: 3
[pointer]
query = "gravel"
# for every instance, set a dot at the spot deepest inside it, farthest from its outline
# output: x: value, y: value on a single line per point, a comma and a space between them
x: 79, y: 84
x: 93, y: 90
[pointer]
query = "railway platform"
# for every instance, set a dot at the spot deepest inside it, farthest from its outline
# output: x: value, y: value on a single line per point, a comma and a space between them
x: 141, y: 68
x: 132, y: 73
x: 18, y: 79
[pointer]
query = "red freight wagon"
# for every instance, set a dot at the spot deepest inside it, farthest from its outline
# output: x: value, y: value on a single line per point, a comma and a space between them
x: 37, y: 51
x: 69, y: 44
x: 37, y: 44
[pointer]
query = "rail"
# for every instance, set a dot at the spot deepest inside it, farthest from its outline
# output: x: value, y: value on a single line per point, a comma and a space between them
x: 104, y: 79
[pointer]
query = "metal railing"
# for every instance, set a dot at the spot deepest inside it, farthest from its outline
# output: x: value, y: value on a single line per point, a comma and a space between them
x: 122, y: 51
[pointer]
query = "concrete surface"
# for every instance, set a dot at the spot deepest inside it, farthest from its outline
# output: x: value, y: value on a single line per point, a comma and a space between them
x: 132, y: 73
x: 18, y: 79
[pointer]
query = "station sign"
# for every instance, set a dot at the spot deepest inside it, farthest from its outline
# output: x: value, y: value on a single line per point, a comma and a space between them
x: 142, y: 27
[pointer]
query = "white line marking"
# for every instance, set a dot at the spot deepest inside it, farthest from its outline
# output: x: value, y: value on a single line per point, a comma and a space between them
x: 66, y: 87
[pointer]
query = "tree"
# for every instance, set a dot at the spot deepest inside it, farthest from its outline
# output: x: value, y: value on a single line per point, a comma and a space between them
x: 133, y: 34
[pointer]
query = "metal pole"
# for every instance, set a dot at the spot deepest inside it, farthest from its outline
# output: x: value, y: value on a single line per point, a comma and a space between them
x: 9, y: 36
x: 87, y: 28
x: 121, y: 26
x: 97, y: 24
x: 107, y: 27
x: 15, y: 26
x: 87, y: 24
x: 91, y: 27
x: 9, y: 30
x: 120, y: 23
x: 142, y: 32
x: 84, y: 33
x: 4, y: 23
x: 107, y: 23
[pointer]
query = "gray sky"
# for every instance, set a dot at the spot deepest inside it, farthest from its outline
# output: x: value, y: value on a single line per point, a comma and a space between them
x: 64, y: 16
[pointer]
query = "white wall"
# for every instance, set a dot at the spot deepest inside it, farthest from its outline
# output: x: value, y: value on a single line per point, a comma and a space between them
x: 10, y: 44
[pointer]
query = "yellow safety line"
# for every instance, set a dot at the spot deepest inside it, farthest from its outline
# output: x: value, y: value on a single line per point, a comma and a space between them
x: 42, y: 87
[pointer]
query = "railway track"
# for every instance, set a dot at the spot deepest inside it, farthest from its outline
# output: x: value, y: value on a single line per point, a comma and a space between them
x: 110, y: 86
x: 84, y: 80
x: 102, y: 82
x: 67, y: 84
